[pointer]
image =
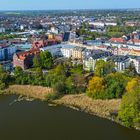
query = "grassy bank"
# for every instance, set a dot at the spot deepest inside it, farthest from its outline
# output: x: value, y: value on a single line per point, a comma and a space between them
x: 102, y: 108
x: 37, y: 92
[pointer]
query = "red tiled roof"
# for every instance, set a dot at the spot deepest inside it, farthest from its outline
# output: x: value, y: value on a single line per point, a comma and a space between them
x: 119, y: 40
x: 23, y: 55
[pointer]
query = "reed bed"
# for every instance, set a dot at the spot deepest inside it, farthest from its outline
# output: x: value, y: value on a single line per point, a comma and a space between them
x: 37, y: 92
x: 102, y: 108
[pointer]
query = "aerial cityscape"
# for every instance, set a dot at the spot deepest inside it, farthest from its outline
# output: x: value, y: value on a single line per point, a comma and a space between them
x: 70, y: 71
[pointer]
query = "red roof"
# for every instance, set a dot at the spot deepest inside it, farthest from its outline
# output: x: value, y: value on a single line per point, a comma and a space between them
x: 119, y: 40
x: 134, y: 40
x: 23, y: 55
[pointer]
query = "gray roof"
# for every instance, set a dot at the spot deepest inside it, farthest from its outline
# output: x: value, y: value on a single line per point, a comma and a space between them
x: 96, y: 54
x: 117, y: 58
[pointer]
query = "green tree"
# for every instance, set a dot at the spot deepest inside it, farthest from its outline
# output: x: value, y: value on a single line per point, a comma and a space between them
x: 70, y: 87
x: 129, y: 112
x: 36, y: 62
x: 103, y: 68
x: 55, y: 75
x: 4, y: 78
x: 18, y: 74
x: 77, y: 69
x: 131, y: 70
x: 115, y: 85
x: 46, y: 60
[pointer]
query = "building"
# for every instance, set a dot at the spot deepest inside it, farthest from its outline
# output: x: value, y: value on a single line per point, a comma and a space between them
x: 97, y: 24
x: 90, y: 59
x: 136, y: 62
x: 66, y: 36
x: 117, y: 40
x: 121, y: 51
x: 6, y: 65
x: 2, y: 30
x: 66, y: 51
x: 54, y: 30
x: 94, y: 43
x: 25, y: 59
x: 39, y: 44
x: 7, y: 51
x: 55, y: 50
x: 77, y: 53
x: 121, y: 62
x: 134, y: 52
x: 110, y: 24
x: 134, y: 41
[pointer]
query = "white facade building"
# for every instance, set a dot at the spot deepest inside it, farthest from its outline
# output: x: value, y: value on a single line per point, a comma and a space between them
x: 110, y: 24
x: 66, y: 50
x: 97, y: 24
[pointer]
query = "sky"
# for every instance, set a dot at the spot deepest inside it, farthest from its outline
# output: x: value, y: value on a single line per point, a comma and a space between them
x: 67, y: 4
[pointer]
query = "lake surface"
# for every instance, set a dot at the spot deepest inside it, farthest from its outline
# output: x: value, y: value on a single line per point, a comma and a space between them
x: 37, y: 121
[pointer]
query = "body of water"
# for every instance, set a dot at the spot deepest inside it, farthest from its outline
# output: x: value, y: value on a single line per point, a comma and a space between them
x: 37, y: 121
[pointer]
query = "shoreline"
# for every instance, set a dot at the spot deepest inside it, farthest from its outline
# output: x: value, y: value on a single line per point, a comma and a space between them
x: 93, y: 107
x: 106, y: 109
x: 108, y: 113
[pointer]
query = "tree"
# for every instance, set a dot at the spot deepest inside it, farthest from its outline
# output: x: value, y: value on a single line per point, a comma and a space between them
x: 46, y: 60
x: 115, y: 83
x: 103, y: 68
x: 18, y: 74
x: 96, y: 87
x: 59, y: 88
x: 38, y: 78
x: 79, y: 83
x: 4, y: 78
x: 36, y: 62
x: 70, y: 87
x: 131, y: 70
x: 77, y: 69
x: 55, y: 75
x: 129, y: 112
x: 99, y: 69
x: 132, y: 84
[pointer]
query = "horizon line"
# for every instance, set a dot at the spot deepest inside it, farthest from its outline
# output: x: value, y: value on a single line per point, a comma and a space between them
x: 70, y: 9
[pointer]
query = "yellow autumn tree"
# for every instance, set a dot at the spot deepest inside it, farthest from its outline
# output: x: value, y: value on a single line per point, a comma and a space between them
x: 96, y: 86
x: 132, y: 84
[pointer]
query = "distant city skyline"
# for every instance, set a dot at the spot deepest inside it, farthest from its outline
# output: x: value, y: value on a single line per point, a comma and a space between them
x: 67, y: 4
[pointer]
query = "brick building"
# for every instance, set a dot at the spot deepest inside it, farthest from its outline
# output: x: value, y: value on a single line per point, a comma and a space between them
x: 25, y: 59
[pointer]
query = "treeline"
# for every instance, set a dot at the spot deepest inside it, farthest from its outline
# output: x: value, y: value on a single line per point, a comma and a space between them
x: 110, y: 31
